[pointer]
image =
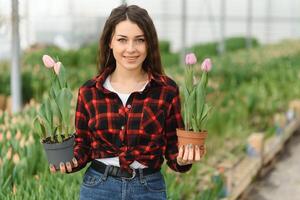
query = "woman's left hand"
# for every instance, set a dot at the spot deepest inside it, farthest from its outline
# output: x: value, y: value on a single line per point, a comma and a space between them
x: 188, y: 154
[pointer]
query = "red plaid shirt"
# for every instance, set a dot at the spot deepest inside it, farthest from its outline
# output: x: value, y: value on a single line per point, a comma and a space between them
x: 144, y: 130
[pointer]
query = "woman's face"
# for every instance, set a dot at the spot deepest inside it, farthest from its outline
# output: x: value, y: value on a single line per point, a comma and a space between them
x: 129, y: 45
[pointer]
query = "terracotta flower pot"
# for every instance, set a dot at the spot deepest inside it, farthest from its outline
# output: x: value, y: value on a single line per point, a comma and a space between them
x: 191, y: 137
x: 59, y: 152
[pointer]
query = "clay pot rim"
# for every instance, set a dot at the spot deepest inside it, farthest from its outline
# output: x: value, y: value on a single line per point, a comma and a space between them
x: 184, y: 133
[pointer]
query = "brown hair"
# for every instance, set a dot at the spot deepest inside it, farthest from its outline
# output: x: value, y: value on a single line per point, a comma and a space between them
x: 140, y: 17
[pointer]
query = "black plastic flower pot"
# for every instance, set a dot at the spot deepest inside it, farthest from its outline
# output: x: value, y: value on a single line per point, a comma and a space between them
x: 59, y: 152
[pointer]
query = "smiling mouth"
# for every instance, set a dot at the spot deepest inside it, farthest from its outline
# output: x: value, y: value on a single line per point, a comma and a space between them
x: 131, y: 58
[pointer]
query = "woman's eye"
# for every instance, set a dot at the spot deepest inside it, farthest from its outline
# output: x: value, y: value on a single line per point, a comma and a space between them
x: 141, y: 40
x: 121, y: 40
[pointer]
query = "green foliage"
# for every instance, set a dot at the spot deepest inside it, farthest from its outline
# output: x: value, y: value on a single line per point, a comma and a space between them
x: 32, y: 86
x: 246, y: 89
x: 204, y: 50
x: 33, y: 57
x: 237, y: 43
x: 211, y: 48
x: 5, y: 83
x: 170, y: 59
x: 84, y: 56
x: 249, y: 91
x: 164, y: 46
x: 87, y: 55
x: 215, y: 191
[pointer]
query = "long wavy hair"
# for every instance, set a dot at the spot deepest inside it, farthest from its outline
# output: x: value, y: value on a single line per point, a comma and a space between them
x: 140, y: 17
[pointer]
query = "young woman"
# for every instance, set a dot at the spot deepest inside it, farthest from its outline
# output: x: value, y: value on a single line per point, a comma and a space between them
x: 126, y: 117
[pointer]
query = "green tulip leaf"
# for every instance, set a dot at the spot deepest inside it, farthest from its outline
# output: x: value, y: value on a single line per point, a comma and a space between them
x: 62, y: 76
x: 45, y: 116
x: 39, y: 127
x: 194, y: 124
x: 63, y: 100
x: 200, y: 99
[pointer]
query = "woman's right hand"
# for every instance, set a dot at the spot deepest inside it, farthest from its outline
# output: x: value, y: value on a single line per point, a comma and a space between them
x: 65, y: 167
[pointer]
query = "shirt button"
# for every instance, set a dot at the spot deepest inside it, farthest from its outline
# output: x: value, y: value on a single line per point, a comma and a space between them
x: 122, y: 127
x: 128, y: 106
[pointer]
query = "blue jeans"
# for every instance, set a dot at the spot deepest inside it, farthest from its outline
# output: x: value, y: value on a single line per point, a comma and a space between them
x: 99, y: 186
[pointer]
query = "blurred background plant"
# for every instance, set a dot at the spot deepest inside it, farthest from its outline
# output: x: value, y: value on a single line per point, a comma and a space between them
x: 246, y: 88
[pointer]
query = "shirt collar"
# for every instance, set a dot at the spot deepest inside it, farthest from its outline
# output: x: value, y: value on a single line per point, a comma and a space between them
x: 153, y: 79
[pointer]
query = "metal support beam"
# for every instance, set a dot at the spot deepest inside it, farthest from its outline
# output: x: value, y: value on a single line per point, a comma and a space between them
x: 268, y: 21
x: 249, y: 25
x: 15, y: 79
x: 183, y: 32
x: 222, y: 45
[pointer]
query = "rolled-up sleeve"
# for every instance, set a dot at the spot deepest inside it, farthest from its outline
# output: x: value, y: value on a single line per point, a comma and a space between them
x: 174, y: 120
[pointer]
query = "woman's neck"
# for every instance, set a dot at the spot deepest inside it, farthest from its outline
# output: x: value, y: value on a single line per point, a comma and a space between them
x: 121, y: 75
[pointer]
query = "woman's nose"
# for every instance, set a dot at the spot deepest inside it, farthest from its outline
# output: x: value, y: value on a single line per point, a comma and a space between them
x: 131, y: 47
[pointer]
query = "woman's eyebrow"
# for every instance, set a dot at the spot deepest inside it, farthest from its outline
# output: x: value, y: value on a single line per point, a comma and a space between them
x: 137, y: 36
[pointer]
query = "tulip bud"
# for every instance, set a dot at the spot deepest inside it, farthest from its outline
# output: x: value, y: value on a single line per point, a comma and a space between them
x: 206, y: 65
x: 190, y: 59
x: 13, y: 120
x: 48, y: 61
x: 9, y: 153
x: 16, y: 158
x: 57, y: 67
x: 23, y: 142
x: 8, y: 135
x: 18, y: 135
x: 30, y: 140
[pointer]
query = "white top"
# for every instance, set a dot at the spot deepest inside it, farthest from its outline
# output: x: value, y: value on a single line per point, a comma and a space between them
x: 124, y: 97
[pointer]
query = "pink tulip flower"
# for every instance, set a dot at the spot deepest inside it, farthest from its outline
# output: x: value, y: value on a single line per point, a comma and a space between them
x: 57, y: 67
x: 48, y: 61
x: 190, y: 59
x: 206, y: 65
